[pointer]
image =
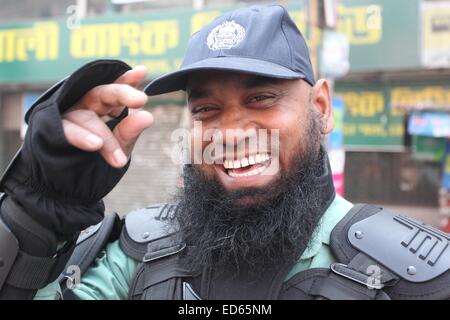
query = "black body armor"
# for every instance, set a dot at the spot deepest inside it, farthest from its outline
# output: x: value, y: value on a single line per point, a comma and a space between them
x: 379, y: 255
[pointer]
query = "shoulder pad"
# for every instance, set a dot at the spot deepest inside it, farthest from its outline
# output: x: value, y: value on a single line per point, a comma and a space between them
x: 415, y: 251
x: 339, y: 244
x: 153, y: 224
x: 150, y: 223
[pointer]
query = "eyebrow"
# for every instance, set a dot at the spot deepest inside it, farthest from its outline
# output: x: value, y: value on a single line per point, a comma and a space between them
x: 260, y: 81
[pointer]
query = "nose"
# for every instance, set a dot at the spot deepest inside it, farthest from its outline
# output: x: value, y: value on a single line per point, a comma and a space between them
x: 234, y: 116
x: 236, y: 128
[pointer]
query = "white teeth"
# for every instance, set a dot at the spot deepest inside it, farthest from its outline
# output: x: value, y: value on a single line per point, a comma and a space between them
x: 245, y: 162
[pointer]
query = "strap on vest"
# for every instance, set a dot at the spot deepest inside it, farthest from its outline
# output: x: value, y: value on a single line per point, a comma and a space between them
x: 337, y: 287
x: 89, y: 247
x: 163, y: 279
x: 325, y: 284
x: 160, y: 276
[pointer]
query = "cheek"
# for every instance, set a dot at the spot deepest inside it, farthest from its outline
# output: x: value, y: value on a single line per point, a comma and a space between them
x: 292, y: 137
x: 197, y: 145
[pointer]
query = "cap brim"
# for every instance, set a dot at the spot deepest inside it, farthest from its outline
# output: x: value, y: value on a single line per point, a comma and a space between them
x: 177, y: 80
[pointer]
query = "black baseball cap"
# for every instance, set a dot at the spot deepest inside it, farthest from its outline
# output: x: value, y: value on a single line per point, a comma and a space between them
x: 260, y: 40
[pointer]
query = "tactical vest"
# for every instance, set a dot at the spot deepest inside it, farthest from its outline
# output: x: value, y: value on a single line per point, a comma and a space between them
x: 379, y: 255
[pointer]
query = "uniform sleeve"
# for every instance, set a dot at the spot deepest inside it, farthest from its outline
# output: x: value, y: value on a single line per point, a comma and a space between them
x: 108, y: 279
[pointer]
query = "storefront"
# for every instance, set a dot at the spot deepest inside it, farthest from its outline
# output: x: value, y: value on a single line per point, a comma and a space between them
x: 397, y: 115
x: 394, y: 153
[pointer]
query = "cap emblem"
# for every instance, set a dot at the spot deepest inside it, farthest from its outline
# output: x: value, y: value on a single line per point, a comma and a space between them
x: 225, y: 36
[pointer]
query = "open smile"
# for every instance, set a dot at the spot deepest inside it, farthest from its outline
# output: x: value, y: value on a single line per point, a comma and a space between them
x: 248, y: 171
x: 247, y: 166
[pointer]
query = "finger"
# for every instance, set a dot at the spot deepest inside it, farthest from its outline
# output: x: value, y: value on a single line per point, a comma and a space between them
x: 129, y: 129
x: 105, y: 99
x: 81, y: 138
x: 111, y: 149
x: 133, y: 77
x: 118, y: 95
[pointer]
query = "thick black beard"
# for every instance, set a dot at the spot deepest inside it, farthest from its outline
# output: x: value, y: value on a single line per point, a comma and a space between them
x: 224, y: 234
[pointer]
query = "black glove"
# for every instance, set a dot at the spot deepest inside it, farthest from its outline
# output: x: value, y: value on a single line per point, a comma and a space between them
x: 58, y: 185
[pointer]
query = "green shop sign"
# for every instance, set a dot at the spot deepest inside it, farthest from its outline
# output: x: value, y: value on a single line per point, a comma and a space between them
x: 46, y: 51
x: 369, y: 121
x: 374, y: 115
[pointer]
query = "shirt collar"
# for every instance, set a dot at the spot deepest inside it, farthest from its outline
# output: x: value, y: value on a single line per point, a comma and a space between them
x: 321, y: 235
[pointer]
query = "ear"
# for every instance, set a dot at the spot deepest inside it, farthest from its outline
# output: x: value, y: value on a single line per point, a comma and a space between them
x: 321, y: 100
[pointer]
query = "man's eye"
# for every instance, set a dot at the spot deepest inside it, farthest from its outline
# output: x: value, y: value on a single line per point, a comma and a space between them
x: 201, y: 109
x: 261, y: 97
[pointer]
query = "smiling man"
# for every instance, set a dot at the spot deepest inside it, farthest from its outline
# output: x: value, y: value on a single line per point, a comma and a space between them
x: 258, y: 189
x: 258, y: 216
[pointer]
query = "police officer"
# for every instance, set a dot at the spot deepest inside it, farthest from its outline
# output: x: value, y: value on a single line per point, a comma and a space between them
x: 258, y: 222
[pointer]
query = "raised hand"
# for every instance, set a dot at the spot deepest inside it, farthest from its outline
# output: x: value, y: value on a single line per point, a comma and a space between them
x: 85, y: 123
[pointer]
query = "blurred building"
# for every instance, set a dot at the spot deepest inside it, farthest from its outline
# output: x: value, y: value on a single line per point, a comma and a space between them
x: 397, y: 103
x: 397, y: 82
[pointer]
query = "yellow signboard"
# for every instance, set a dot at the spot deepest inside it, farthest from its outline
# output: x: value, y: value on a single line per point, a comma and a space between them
x: 361, y: 24
x: 124, y: 39
x: 428, y: 97
x: 40, y: 42
x: 369, y: 121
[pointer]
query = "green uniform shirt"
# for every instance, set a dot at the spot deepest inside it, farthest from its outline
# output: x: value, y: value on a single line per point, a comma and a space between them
x: 111, y: 276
